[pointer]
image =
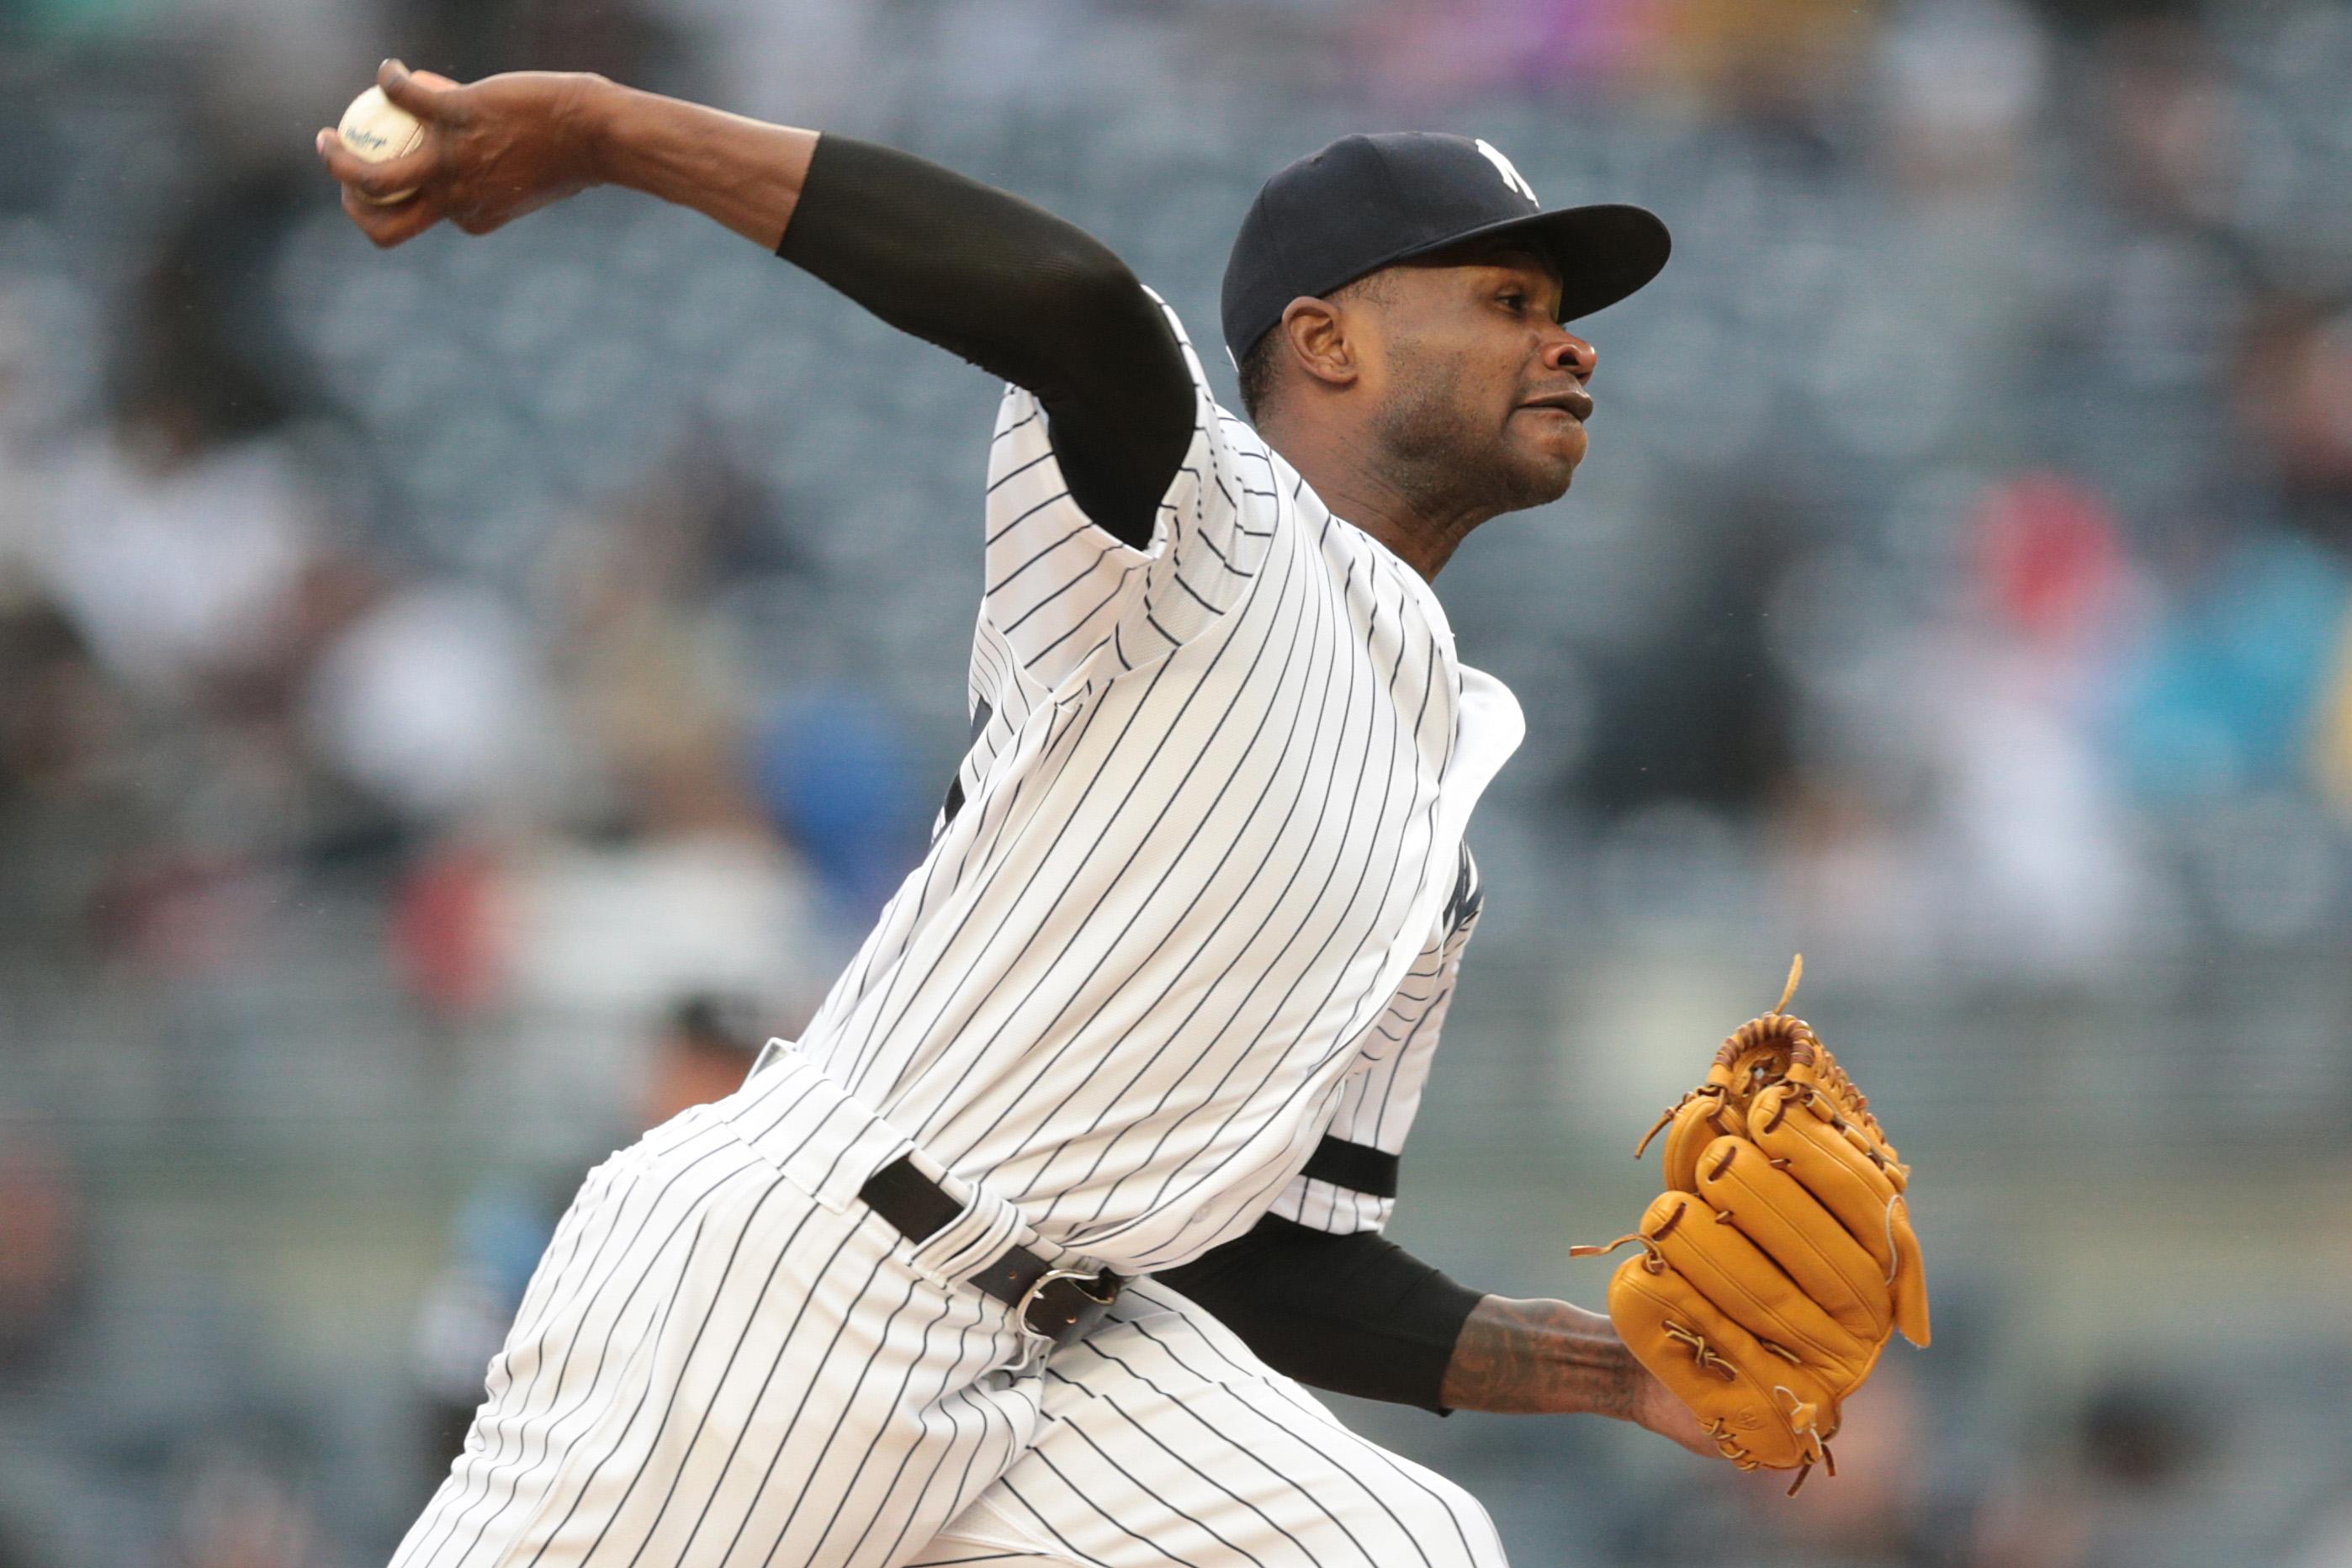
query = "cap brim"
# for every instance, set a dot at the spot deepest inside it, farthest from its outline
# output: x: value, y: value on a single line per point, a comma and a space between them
x: 1603, y: 253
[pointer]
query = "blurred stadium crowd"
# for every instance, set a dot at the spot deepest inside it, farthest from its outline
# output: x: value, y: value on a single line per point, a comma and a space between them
x: 453, y: 704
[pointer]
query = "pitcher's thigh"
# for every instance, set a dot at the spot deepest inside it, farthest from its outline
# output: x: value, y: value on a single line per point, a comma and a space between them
x: 717, y: 1369
x: 1167, y: 1442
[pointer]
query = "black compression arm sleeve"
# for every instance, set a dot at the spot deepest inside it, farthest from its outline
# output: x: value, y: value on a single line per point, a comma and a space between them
x: 1355, y: 1314
x: 1020, y: 293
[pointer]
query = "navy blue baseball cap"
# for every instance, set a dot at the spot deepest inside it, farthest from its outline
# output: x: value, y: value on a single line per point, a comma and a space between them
x: 1368, y: 202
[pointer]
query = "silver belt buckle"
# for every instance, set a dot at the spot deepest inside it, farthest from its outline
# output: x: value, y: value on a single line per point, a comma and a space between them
x: 1081, y: 1277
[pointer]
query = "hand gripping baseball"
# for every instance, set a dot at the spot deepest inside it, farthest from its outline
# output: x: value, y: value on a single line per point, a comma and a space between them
x: 493, y: 150
x: 1781, y: 1258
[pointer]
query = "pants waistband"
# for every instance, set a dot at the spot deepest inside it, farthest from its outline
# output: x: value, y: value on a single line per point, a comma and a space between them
x: 797, y: 1114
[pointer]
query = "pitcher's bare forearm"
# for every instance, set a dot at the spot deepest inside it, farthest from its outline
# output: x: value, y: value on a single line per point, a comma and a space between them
x: 744, y: 173
x: 1357, y: 1314
x: 1549, y: 1358
x: 1541, y: 1358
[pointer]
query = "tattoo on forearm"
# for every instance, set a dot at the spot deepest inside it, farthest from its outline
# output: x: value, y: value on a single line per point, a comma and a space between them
x: 1540, y: 1358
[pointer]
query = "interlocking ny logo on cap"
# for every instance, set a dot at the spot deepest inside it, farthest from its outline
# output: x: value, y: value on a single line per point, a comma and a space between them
x: 1511, y: 175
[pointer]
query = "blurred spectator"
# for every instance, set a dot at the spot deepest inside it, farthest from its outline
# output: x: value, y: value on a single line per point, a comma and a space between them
x: 1959, y: 87
x: 495, y: 1243
x: 2227, y: 695
x: 1768, y: 58
x: 65, y: 758
x: 175, y: 537
x: 2133, y: 1488
x: 708, y: 1045
x: 1421, y: 49
x: 1775, y: 62
x: 1697, y: 710
x: 597, y: 933
x: 2040, y: 866
x: 196, y: 365
x: 2168, y: 116
x: 42, y: 1261
x: 431, y: 701
x: 176, y: 557
x: 2292, y: 391
x: 1958, y: 804
x: 55, y: 1490
x: 240, y: 1504
x: 449, y: 933
x: 834, y: 773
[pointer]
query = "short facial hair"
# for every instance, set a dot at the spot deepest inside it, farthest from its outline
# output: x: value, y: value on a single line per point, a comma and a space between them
x: 1436, y: 453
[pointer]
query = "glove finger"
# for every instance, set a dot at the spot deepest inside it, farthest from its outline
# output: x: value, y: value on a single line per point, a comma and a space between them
x: 1833, y: 1093
x: 1856, y: 1138
x: 1760, y: 1410
x: 1700, y: 1121
x: 1826, y: 1162
x: 1852, y: 1169
x: 1776, y: 1212
x: 1743, y: 1284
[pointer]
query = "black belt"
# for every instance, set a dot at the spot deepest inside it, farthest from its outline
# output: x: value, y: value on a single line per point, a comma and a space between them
x: 1062, y: 1304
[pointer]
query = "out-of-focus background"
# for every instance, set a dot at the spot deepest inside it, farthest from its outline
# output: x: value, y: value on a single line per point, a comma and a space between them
x: 453, y: 704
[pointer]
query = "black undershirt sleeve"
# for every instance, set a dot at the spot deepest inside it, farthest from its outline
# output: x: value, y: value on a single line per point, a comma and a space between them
x: 1355, y: 1314
x: 1021, y: 294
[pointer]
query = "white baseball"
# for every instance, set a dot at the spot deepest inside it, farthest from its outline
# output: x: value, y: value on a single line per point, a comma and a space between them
x: 377, y: 130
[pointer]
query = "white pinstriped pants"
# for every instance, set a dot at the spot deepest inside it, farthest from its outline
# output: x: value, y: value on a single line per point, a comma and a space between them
x: 1168, y: 1444
x: 726, y: 1360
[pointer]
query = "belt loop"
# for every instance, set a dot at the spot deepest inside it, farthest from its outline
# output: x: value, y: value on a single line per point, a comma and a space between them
x: 795, y: 1115
x: 985, y: 1227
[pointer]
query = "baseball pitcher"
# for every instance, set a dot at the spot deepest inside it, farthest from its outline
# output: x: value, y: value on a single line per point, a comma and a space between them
x: 1022, y: 1252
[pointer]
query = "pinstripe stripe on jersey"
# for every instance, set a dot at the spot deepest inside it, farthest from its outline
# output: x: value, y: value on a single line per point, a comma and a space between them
x: 1376, y: 1106
x: 1210, y: 810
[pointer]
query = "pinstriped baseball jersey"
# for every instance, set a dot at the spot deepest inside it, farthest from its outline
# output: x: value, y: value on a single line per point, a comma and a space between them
x: 1211, y: 817
x: 1376, y: 1105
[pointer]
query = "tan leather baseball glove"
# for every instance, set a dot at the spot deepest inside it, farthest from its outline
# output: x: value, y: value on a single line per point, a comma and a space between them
x: 1781, y: 1258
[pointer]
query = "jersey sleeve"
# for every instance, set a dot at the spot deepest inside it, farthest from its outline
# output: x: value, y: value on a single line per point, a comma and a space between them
x: 1349, y: 1183
x: 1062, y: 593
